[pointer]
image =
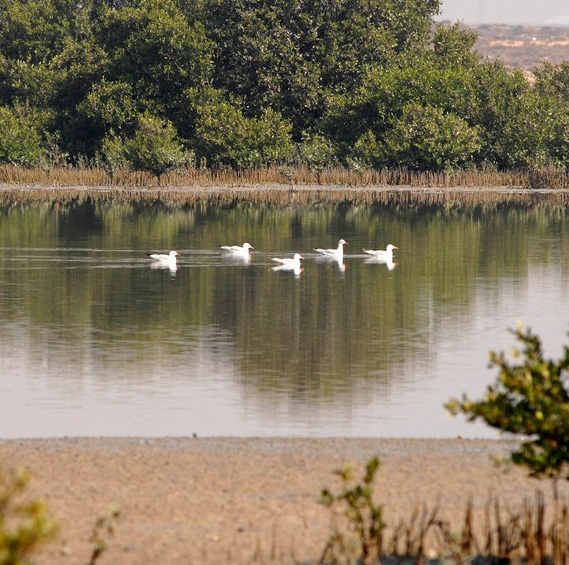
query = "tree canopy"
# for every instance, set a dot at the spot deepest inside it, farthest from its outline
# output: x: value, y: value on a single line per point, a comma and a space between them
x: 248, y: 83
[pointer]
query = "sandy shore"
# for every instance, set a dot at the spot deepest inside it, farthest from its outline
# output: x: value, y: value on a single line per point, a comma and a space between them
x: 240, y: 501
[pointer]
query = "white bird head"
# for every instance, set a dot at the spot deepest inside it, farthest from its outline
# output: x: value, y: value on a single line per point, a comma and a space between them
x: 343, y: 242
x: 391, y: 247
x: 247, y: 246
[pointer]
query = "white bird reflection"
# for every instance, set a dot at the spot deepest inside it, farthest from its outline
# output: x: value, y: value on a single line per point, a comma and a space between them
x: 339, y: 261
x: 297, y: 271
x: 390, y: 265
x: 163, y: 267
x: 235, y: 258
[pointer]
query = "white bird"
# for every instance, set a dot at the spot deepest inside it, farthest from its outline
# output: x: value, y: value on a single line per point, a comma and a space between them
x: 337, y: 254
x: 165, y: 259
x: 238, y: 250
x: 288, y: 262
x: 382, y: 255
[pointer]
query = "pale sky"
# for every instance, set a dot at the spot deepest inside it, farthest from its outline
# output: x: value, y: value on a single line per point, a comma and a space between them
x: 542, y: 12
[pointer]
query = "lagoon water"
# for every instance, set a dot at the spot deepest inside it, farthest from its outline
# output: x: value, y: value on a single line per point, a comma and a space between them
x: 94, y: 341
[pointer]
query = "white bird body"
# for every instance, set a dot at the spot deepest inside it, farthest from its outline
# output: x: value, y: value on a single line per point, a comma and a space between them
x: 288, y: 262
x: 238, y: 250
x: 337, y: 254
x: 384, y: 255
x: 165, y: 259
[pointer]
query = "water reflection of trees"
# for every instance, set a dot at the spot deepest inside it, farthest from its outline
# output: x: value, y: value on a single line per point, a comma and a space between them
x: 320, y: 335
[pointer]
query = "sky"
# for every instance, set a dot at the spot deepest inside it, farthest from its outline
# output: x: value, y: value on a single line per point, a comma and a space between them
x: 542, y: 12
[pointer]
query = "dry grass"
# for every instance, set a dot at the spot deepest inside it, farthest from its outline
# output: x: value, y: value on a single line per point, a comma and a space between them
x: 202, y: 177
x: 531, y: 536
x: 283, y: 187
x: 227, y: 188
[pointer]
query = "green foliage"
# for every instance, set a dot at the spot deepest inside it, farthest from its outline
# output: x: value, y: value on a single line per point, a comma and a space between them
x: 553, y: 80
x: 104, y: 528
x: 425, y: 138
x: 316, y: 151
x: 152, y: 46
x: 529, y: 399
x: 385, y: 93
x: 453, y: 46
x: 110, y: 106
x: 269, y: 75
x: 363, y: 515
x: 422, y: 138
x: 225, y: 136
x: 552, y: 84
x: 518, y: 125
x: 24, y: 524
x: 113, y: 156
x: 289, y: 55
x: 153, y: 147
x: 32, y: 31
x: 20, y: 140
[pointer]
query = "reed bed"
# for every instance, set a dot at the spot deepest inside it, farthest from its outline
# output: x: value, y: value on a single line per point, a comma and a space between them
x: 528, y: 536
x: 205, y: 188
x: 544, y: 177
x: 531, y: 535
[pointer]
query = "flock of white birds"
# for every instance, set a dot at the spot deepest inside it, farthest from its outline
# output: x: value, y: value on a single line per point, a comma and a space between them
x: 293, y: 263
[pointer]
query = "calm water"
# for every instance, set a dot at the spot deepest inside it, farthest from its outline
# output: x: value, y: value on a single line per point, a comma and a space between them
x: 94, y: 341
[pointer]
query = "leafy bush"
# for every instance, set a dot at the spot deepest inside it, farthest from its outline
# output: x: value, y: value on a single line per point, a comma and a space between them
x: 529, y: 399
x: 427, y: 138
x: 272, y: 72
x: 316, y: 151
x: 113, y: 155
x: 104, y: 528
x: 20, y: 139
x: 24, y: 524
x: 364, y: 516
x: 226, y: 137
x: 154, y: 147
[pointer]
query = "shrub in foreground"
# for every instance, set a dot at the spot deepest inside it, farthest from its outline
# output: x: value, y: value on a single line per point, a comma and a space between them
x: 529, y: 399
x: 24, y: 524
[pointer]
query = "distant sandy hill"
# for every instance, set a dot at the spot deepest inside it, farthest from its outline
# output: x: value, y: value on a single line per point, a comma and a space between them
x: 523, y: 46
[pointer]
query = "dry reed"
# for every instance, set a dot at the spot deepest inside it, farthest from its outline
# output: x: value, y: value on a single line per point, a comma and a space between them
x: 544, y: 177
x: 274, y: 187
x: 530, y: 536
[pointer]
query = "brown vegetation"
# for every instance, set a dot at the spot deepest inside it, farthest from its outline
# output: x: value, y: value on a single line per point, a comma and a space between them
x: 280, y: 188
x: 544, y: 177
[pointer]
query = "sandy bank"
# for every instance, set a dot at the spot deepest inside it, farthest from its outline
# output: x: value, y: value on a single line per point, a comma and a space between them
x: 219, y: 500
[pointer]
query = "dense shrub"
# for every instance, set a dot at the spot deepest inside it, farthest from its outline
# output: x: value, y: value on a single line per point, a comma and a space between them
x: 529, y: 399
x: 20, y: 140
x: 154, y: 147
x: 245, y: 82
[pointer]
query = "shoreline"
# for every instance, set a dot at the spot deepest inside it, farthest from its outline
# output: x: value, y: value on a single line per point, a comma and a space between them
x: 246, y: 188
x: 249, y: 500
